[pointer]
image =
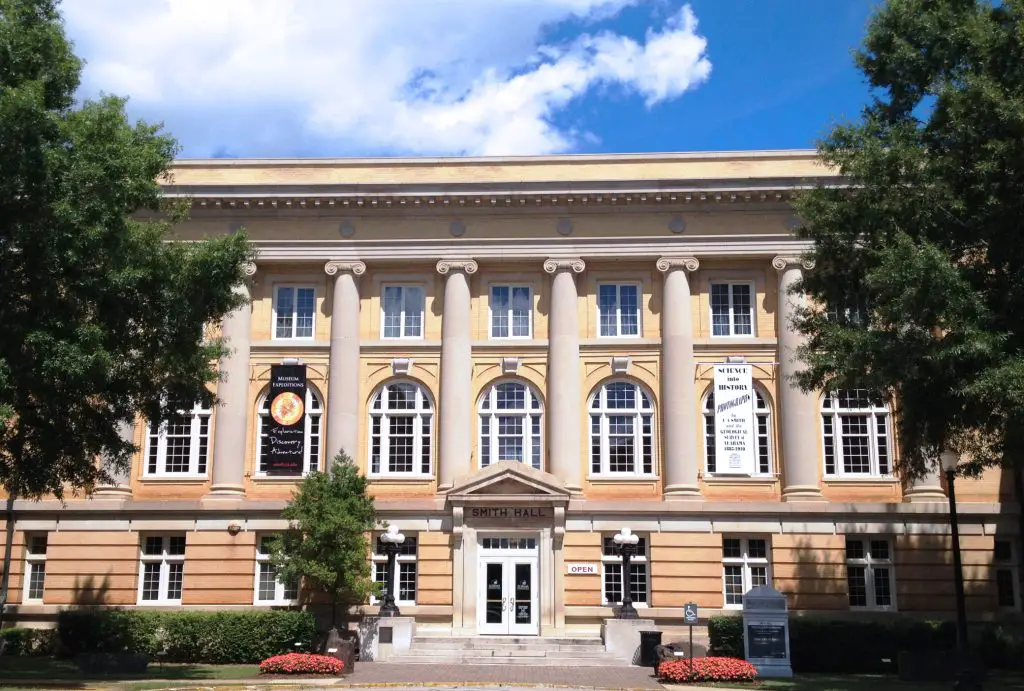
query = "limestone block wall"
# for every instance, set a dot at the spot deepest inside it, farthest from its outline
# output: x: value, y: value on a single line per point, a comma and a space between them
x: 434, y: 569
x: 92, y: 567
x: 686, y: 567
x: 582, y: 590
x: 811, y: 570
x: 220, y: 569
x: 924, y: 573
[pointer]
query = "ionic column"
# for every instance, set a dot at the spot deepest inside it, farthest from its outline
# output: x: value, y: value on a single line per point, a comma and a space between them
x: 121, y: 479
x: 798, y: 411
x: 678, y: 393
x: 232, y: 415
x: 927, y: 488
x: 456, y: 409
x: 343, y: 380
x: 563, y: 402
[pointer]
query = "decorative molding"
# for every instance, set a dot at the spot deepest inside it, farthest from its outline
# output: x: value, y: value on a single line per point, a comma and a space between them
x: 356, y: 268
x: 666, y: 264
x: 677, y: 224
x: 346, y: 229
x: 781, y: 263
x: 621, y: 364
x: 401, y: 366
x: 558, y: 529
x: 467, y: 266
x: 457, y: 228
x: 564, y: 226
x: 458, y: 526
x: 510, y: 365
x: 575, y: 265
x: 250, y: 269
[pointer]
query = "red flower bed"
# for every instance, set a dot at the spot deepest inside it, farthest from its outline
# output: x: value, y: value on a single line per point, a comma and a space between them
x: 302, y: 663
x: 707, y: 669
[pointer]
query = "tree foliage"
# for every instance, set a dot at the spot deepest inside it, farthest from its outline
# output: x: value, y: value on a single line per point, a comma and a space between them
x: 326, y: 544
x: 918, y: 280
x: 102, y: 317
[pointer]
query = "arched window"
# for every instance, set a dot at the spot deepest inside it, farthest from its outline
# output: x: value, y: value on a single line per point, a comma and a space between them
x: 314, y: 415
x: 180, y: 448
x: 856, y: 434
x: 762, y: 433
x: 621, y: 430
x: 401, y: 423
x: 510, y: 425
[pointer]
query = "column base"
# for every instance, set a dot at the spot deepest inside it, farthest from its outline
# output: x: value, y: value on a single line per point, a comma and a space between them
x: 113, y: 492
x: 925, y: 495
x: 683, y: 493
x: 226, y: 491
x: 803, y: 493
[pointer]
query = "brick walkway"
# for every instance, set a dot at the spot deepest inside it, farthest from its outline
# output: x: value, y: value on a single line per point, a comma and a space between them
x: 508, y: 675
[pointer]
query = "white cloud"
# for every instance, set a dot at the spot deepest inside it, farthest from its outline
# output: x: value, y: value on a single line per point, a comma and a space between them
x: 278, y: 77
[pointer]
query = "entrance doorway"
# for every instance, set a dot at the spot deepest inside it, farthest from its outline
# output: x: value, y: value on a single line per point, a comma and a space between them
x: 509, y: 595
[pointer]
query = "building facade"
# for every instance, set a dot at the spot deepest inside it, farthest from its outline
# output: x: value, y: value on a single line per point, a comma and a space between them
x: 521, y: 355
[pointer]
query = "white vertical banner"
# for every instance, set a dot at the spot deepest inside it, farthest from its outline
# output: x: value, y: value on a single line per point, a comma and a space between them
x: 734, y: 420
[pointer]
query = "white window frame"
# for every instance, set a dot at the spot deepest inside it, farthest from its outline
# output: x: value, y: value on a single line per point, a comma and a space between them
x: 296, y: 287
x: 745, y: 562
x: 402, y: 315
x: 198, y: 455
x: 280, y: 589
x: 869, y: 563
x: 1012, y: 566
x: 509, y: 312
x: 423, y: 432
x: 381, y: 561
x: 732, y: 309
x: 314, y: 432
x: 832, y: 416
x: 611, y: 560
x: 164, y: 559
x: 35, y: 561
x: 763, y: 433
x: 488, y: 417
x: 618, y: 285
x: 638, y: 413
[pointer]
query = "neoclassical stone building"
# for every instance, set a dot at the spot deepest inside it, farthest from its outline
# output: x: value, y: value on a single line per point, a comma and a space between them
x: 522, y: 355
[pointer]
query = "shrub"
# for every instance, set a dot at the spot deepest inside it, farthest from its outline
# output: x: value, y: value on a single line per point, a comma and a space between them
x: 726, y: 634
x: 20, y: 641
x: 706, y: 669
x: 109, y: 631
x: 302, y: 663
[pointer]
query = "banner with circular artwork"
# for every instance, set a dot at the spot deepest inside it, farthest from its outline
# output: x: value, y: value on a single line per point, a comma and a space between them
x: 286, y: 436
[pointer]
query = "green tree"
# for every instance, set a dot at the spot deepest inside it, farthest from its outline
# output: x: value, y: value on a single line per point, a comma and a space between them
x: 102, y: 317
x: 918, y: 283
x: 326, y: 545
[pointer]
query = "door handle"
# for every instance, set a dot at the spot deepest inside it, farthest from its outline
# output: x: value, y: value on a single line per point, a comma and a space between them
x: 503, y: 602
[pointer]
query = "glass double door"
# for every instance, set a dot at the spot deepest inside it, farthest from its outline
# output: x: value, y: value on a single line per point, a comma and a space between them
x: 508, y: 597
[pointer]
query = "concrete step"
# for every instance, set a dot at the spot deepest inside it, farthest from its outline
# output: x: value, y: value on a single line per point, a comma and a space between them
x: 533, y: 661
x: 471, y: 644
x: 504, y: 652
x: 505, y: 640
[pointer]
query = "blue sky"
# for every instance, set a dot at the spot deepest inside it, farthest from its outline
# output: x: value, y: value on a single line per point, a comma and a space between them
x: 476, y: 77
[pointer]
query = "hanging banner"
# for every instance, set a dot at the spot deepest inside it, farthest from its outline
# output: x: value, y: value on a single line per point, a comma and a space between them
x: 286, y: 436
x: 734, y: 420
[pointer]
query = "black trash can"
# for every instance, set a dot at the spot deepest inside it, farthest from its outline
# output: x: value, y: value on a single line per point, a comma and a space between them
x: 649, y: 641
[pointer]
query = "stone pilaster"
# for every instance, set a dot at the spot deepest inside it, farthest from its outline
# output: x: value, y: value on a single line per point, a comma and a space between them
x: 927, y: 488
x: 343, y: 381
x: 563, y: 404
x: 121, y: 485
x: 800, y: 428
x: 456, y: 406
x: 232, y: 414
x: 678, y: 391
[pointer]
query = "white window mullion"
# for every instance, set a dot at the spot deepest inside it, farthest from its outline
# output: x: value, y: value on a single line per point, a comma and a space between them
x: 385, y: 443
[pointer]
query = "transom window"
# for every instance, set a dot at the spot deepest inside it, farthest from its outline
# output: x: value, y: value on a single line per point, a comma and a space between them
x: 402, y: 312
x: 294, y: 310
x: 401, y: 422
x: 511, y: 311
x: 179, y: 447
x: 856, y: 435
x: 732, y: 309
x: 525, y: 543
x: 510, y: 425
x: 611, y: 564
x: 1006, y: 566
x: 269, y: 589
x: 162, y: 569
x: 35, y: 567
x: 314, y: 427
x: 405, y: 570
x: 762, y: 433
x: 869, y: 573
x: 618, y: 309
x: 745, y: 565
x: 621, y: 430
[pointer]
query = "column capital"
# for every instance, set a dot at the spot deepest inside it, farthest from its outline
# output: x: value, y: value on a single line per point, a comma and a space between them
x: 666, y: 264
x: 781, y: 263
x: 576, y: 265
x: 467, y: 266
x: 249, y: 269
x: 356, y: 268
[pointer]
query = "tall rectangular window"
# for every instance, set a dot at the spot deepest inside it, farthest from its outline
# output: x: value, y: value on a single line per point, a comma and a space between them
x: 162, y: 569
x: 1007, y: 579
x: 869, y: 573
x: 35, y: 567
x: 745, y: 564
x: 179, y: 447
x: 405, y: 570
x: 612, y: 577
x: 732, y: 309
x: 618, y: 309
x: 402, y: 312
x: 511, y: 311
x: 294, y: 308
x: 269, y: 589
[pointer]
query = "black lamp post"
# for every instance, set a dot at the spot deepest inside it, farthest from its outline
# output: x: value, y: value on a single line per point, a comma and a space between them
x: 625, y: 545
x: 965, y: 680
x: 392, y: 540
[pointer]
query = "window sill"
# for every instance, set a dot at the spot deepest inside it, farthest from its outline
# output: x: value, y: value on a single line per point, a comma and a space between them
x: 622, y: 478
x: 151, y: 603
x: 872, y: 480
x: 275, y: 603
x: 299, y: 343
x: 750, y: 479
x: 190, y: 479
x: 400, y: 478
x: 279, y: 480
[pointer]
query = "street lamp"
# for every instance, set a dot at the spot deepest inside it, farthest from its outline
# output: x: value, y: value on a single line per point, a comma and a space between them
x: 625, y: 545
x: 964, y: 679
x: 392, y: 540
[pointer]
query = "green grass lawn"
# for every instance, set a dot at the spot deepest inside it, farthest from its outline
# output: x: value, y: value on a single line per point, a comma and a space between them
x: 996, y: 681
x: 40, y: 670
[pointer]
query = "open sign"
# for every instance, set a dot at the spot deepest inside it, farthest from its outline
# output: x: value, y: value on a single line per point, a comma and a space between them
x: 581, y: 569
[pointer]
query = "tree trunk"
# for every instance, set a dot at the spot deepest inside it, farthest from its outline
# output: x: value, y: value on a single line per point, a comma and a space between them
x: 5, y: 581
